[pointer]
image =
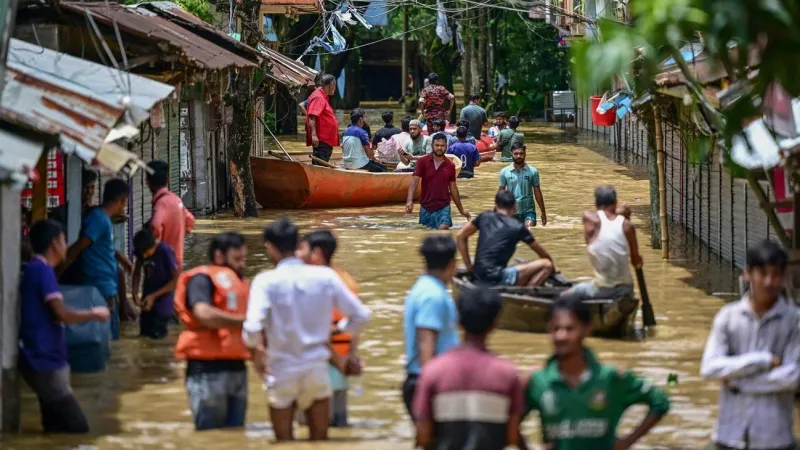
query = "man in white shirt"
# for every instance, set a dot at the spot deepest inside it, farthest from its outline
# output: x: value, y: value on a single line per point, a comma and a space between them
x: 288, y: 321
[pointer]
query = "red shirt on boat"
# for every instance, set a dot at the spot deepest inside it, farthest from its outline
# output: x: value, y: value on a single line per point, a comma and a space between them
x: 435, y: 182
x: 319, y: 106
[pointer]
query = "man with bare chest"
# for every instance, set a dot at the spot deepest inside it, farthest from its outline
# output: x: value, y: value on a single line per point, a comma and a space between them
x: 611, y: 242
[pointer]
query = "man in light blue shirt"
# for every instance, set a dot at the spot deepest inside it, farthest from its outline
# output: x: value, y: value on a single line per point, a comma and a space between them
x: 523, y: 181
x: 356, y: 151
x: 95, y: 251
x: 431, y: 319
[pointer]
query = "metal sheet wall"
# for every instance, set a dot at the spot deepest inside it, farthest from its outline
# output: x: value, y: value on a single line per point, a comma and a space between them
x: 704, y: 199
x: 173, y: 155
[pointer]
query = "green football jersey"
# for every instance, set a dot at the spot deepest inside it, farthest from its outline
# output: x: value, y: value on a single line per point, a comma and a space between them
x: 586, y: 417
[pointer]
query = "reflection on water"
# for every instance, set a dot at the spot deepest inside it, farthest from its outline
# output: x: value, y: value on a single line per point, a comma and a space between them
x: 140, y: 401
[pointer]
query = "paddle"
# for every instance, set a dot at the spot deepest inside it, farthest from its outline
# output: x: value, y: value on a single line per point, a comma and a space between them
x: 322, y: 162
x: 648, y: 316
x: 278, y: 155
x: 273, y: 137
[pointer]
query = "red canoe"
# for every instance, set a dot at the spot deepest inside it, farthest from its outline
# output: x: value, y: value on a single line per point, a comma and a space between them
x: 295, y: 185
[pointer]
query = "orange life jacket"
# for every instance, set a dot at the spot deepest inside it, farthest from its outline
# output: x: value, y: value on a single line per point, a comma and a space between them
x: 341, y: 342
x: 198, y: 342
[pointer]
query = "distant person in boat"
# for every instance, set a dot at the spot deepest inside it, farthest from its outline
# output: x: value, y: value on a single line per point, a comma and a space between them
x: 388, y: 129
x: 356, y: 152
x: 522, y: 180
x: 611, y: 242
x: 402, y: 138
x: 500, y: 231
x: 469, y: 398
x: 430, y: 321
x: 317, y: 249
x: 438, y: 126
x: 499, y: 124
x: 508, y: 139
x: 417, y: 146
x: 410, y: 102
x: 476, y: 116
x: 365, y: 125
x: 438, y: 176
x: 468, y: 153
x: 432, y: 100
x: 322, y: 129
x: 581, y: 401
x: 753, y: 352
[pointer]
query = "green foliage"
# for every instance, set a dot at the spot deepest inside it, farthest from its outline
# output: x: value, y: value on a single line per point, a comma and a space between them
x: 200, y: 8
x: 529, y: 57
x: 729, y: 30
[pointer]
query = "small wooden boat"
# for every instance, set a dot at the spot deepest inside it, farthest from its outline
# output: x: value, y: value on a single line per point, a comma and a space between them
x: 279, y: 183
x: 525, y: 309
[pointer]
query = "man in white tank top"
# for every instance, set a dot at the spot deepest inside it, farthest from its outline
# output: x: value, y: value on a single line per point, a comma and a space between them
x: 611, y: 241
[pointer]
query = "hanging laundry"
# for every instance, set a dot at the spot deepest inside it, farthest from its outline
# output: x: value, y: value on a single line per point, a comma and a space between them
x: 442, y: 28
x: 340, y: 84
x: 376, y: 14
x: 318, y: 64
x: 459, y: 39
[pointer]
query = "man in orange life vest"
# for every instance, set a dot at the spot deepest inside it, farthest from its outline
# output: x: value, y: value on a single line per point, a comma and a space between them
x: 317, y: 249
x: 211, y: 301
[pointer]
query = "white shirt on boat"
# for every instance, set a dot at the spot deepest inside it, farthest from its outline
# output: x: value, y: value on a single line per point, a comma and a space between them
x: 609, y: 253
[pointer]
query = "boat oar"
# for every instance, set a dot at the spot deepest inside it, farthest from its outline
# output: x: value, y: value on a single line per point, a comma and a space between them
x: 322, y: 162
x: 273, y: 137
x: 277, y: 155
x: 648, y: 316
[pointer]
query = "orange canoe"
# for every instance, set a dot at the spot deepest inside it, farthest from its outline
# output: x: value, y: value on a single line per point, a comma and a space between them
x: 294, y: 185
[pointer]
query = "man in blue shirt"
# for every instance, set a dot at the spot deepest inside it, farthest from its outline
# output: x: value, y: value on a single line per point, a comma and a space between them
x: 430, y: 323
x: 43, y: 347
x: 356, y: 151
x: 475, y: 115
x: 157, y: 260
x: 95, y: 251
x: 468, y: 153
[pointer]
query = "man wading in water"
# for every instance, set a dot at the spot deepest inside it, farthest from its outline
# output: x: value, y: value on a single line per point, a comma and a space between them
x: 438, y: 176
x: 610, y: 238
x: 581, y: 401
x: 523, y: 181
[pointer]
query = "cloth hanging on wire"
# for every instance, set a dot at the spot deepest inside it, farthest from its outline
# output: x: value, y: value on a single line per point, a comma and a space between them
x: 442, y: 28
x: 332, y: 41
x: 459, y: 39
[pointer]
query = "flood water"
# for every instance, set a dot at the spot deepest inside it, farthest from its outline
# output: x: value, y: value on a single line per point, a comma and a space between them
x: 140, y: 401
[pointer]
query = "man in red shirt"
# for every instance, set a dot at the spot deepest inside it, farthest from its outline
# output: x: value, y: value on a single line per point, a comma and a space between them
x: 438, y: 177
x: 322, y: 129
x: 433, y: 98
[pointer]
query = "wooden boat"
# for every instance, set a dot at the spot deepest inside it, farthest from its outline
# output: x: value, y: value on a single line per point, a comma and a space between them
x: 279, y: 183
x: 525, y: 309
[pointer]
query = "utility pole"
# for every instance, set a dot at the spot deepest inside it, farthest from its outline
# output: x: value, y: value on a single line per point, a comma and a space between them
x: 404, y: 52
x: 9, y: 260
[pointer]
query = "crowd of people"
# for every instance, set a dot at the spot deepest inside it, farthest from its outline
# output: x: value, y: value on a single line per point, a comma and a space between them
x: 298, y: 324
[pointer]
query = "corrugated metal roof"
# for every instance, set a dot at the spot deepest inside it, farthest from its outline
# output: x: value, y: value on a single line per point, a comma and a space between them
x: 288, y: 71
x: 140, y: 22
x: 285, y: 70
x: 77, y: 100
x: 301, y: 5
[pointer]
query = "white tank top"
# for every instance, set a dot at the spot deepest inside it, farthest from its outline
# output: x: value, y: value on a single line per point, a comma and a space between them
x: 609, y: 253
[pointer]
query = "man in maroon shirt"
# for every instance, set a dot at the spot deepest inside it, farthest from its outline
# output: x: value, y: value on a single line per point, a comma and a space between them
x: 322, y: 129
x: 468, y: 398
x: 438, y: 177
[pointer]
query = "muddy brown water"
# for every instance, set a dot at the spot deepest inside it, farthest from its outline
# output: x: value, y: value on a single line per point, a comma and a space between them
x: 140, y: 401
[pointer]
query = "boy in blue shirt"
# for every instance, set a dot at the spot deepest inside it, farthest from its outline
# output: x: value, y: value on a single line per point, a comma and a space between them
x: 157, y: 260
x: 468, y: 153
x: 42, y: 340
x: 95, y: 251
x: 430, y: 323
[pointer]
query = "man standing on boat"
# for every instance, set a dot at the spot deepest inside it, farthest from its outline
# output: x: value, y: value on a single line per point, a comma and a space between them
x: 581, y: 401
x: 500, y: 232
x: 611, y: 241
x: 523, y: 181
x: 356, y: 151
x: 438, y: 176
x: 432, y: 100
x: 322, y: 129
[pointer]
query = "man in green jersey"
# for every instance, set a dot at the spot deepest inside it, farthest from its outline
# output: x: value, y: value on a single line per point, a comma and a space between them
x: 581, y: 401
